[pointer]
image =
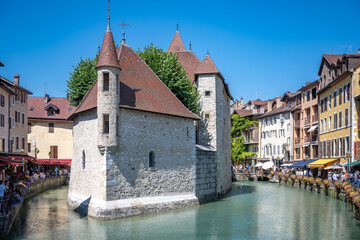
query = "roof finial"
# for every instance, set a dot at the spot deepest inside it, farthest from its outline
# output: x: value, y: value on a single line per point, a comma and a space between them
x: 108, y: 26
x: 177, y: 27
x: 123, y: 24
x: 208, y: 54
x: 98, y: 48
x: 190, y: 46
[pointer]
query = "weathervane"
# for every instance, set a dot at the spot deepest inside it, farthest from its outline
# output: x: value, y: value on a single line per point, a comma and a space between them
x: 123, y: 24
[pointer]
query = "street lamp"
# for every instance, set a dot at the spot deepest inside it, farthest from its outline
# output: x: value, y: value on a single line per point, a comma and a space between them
x: 49, y: 159
x: 22, y: 152
x: 278, y: 159
x: 307, y: 171
x: 348, y: 155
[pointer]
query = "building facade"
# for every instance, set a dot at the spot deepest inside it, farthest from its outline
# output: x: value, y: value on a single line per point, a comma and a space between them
x: 14, y: 101
x: 306, y: 123
x: 49, y: 131
x: 335, y: 105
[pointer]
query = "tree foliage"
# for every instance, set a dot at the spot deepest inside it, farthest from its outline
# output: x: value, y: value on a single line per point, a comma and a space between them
x: 240, y: 151
x: 166, y: 66
x: 81, y: 79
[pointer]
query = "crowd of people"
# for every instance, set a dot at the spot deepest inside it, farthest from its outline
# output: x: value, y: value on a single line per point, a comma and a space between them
x: 340, y: 174
x: 14, y: 184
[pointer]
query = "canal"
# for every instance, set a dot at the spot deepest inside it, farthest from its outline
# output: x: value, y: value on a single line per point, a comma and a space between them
x: 250, y: 211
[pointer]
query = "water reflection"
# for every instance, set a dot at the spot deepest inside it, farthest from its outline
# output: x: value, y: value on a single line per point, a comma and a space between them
x: 249, y: 211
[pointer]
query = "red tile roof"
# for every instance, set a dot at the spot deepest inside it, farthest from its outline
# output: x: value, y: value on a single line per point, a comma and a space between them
x: 176, y: 44
x: 37, y: 105
x: 140, y: 89
x: 279, y: 110
x: 332, y: 58
x: 243, y: 112
x: 190, y: 62
x: 207, y: 66
x: 108, y: 52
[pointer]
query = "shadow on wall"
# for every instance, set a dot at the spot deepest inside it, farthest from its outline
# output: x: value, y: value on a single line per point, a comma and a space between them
x: 127, y: 95
x: 83, y: 208
x: 205, y: 136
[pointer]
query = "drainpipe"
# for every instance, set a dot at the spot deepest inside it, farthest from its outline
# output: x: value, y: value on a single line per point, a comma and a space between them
x: 351, y: 118
x: 9, y: 122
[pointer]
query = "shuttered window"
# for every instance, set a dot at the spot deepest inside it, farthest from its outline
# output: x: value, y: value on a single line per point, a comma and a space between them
x: 54, y: 151
x: 51, y: 127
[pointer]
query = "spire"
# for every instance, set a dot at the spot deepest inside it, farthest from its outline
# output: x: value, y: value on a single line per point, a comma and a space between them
x: 177, y: 27
x: 190, y: 46
x: 108, y: 57
x: 207, y: 53
x: 177, y: 44
x: 108, y: 26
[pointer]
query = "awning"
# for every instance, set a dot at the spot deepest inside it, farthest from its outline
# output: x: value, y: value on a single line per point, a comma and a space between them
x: 352, y: 163
x: 302, y: 163
x: 312, y: 128
x: 53, y: 162
x: 323, y: 162
x: 12, y: 162
x: 12, y: 156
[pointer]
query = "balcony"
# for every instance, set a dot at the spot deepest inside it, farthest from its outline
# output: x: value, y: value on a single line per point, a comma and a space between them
x: 297, y: 156
x: 307, y: 121
x: 297, y: 140
x: 314, y: 139
x: 314, y: 118
x: 307, y: 139
x: 297, y: 123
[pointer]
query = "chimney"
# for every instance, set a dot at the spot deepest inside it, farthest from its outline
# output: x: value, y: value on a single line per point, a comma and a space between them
x: 279, y: 103
x: 47, y: 98
x: 17, y: 80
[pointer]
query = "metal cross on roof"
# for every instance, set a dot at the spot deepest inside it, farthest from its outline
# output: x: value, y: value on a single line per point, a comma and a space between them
x: 123, y: 24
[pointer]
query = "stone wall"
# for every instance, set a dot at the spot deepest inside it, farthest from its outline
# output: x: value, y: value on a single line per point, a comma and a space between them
x: 172, y: 142
x: 88, y: 167
x: 205, y: 183
x: 223, y: 139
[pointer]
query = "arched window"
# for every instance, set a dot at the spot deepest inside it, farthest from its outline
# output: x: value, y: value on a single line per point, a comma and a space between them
x: 83, y: 159
x: 151, y: 159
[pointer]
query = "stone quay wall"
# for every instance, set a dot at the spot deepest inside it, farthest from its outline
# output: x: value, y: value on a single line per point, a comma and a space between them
x: 205, y: 183
x: 7, y: 220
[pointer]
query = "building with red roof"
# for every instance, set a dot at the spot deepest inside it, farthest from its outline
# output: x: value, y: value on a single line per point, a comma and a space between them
x: 134, y: 142
x: 214, y: 127
x: 49, y: 130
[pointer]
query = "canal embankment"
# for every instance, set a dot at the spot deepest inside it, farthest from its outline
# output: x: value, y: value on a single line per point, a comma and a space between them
x: 342, y: 191
x: 7, y: 218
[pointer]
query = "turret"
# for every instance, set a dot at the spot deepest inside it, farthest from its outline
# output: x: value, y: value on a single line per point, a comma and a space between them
x: 108, y: 95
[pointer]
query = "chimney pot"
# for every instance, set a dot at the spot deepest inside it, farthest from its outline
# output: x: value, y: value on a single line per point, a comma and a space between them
x: 47, y: 98
x: 17, y: 80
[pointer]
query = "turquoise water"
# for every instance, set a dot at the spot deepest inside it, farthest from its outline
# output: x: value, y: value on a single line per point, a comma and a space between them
x: 250, y: 211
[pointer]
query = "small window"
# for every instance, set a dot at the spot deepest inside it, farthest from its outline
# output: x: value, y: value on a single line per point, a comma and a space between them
x: 22, y: 143
x: 23, y: 118
x: 106, y: 82
x: 31, y: 109
x: 29, y: 127
x: 83, y: 159
x: 51, y: 127
x: 207, y: 93
x: 207, y: 115
x: 29, y: 147
x: 69, y: 109
x: 152, y: 159
x: 106, y: 124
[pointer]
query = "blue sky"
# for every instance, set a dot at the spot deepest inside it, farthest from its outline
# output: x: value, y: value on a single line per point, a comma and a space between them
x: 262, y: 48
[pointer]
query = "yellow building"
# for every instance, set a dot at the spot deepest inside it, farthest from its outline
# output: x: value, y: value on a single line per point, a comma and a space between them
x: 49, y: 131
x: 335, y: 94
x: 356, y: 111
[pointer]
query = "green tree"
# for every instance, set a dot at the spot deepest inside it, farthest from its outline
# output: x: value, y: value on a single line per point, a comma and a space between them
x: 240, y: 151
x: 166, y: 66
x: 81, y: 79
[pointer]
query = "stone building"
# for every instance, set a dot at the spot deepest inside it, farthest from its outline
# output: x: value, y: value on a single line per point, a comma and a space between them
x: 135, y: 146
x: 214, y: 128
x: 49, y: 131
